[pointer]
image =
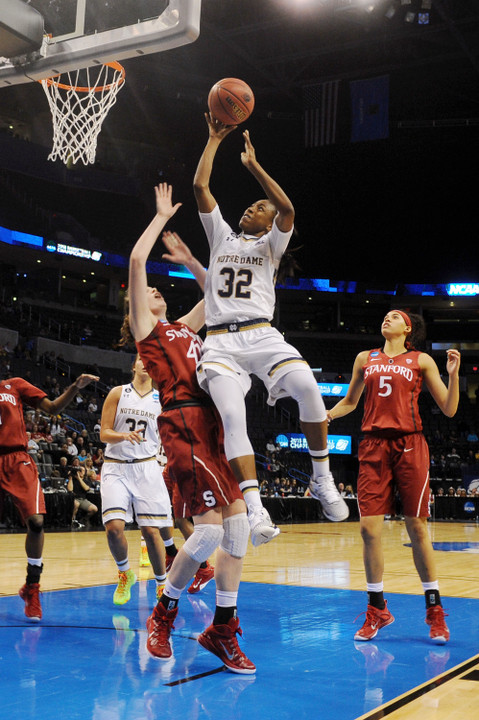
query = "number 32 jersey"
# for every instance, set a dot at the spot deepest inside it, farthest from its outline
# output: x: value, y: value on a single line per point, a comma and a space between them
x: 241, y: 274
x: 140, y: 413
x: 392, y: 390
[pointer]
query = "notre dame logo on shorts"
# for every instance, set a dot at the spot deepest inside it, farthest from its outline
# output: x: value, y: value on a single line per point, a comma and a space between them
x: 209, y: 498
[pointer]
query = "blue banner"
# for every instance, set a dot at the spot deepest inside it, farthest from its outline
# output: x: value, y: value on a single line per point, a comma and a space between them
x: 337, y: 444
x: 370, y: 109
x: 333, y: 389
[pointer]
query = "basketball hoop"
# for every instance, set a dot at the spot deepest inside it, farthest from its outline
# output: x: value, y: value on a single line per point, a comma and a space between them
x: 79, y: 102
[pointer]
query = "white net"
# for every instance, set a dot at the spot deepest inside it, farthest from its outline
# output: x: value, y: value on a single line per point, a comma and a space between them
x: 79, y: 102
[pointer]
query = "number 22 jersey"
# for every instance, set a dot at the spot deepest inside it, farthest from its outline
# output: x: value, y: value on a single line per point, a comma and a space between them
x: 392, y: 390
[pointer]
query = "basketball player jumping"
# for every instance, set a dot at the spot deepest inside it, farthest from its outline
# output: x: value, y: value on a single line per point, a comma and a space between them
x: 394, y: 453
x: 191, y: 433
x: 239, y: 301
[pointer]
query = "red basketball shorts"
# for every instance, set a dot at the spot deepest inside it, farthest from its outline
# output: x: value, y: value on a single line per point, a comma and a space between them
x: 19, y: 477
x: 390, y: 464
x: 192, y: 437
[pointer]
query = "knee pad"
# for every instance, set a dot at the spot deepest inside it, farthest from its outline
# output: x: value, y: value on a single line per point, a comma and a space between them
x: 35, y: 525
x: 203, y: 542
x: 235, y: 539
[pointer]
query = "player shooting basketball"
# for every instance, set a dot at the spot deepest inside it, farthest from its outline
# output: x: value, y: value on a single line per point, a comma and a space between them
x: 239, y: 306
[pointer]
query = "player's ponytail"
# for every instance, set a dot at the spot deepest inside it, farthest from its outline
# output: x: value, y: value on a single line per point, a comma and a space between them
x: 417, y: 335
x: 127, y: 338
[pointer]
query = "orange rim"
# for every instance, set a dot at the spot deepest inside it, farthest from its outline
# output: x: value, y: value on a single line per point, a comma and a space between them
x: 115, y: 65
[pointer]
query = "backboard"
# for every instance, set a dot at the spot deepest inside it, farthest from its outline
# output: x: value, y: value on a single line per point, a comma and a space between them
x: 83, y: 33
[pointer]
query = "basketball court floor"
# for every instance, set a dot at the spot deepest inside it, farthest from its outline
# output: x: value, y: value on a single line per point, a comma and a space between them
x: 297, y: 606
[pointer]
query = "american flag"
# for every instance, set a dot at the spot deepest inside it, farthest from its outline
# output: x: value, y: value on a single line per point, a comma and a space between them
x: 320, y: 103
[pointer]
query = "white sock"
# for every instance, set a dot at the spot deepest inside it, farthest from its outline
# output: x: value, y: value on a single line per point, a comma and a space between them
x: 250, y: 490
x: 375, y: 587
x: 430, y: 585
x: 226, y: 599
x: 169, y: 542
x: 160, y: 579
x: 171, y: 591
x: 320, y: 460
x: 35, y: 561
x: 123, y: 565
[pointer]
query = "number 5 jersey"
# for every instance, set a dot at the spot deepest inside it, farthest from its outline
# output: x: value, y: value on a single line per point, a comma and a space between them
x: 392, y: 390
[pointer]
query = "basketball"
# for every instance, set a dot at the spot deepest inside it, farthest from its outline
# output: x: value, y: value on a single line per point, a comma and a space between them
x: 231, y: 101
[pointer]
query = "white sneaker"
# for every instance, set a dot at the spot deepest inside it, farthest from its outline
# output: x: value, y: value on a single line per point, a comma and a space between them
x: 262, y: 527
x: 325, y: 490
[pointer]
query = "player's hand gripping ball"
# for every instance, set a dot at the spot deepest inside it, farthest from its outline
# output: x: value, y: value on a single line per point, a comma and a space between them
x: 231, y: 101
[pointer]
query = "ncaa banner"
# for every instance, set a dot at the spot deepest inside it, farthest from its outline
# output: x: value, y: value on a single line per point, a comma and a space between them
x: 337, y: 444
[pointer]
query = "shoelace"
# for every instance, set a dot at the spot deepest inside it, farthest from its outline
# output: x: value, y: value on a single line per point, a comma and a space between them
x: 327, y: 488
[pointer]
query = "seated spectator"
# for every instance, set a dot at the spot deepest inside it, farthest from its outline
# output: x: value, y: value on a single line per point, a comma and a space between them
x: 83, y: 455
x: 93, y: 406
x: 97, y: 426
x: 472, y: 437
x: 98, y: 458
x: 64, y: 469
x: 33, y: 448
x: 341, y: 489
x: 78, y: 485
x: 71, y: 447
x: 349, y: 491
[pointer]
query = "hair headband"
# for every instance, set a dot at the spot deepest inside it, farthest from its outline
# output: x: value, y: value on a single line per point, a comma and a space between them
x: 405, y: 317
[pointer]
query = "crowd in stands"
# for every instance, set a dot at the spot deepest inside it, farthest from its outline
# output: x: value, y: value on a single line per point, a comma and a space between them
x: 60, y: 444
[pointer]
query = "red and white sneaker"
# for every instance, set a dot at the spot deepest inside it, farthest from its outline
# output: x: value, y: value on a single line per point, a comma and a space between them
x: 202, y: 578
x: 439, y: 632
x: 375, y: 620
x: 30, y: 594
x: 221, y: 641
x: 159, y: 626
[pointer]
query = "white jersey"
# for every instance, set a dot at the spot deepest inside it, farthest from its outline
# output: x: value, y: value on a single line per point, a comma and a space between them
x: 140, y: 413
x: 242, y: 270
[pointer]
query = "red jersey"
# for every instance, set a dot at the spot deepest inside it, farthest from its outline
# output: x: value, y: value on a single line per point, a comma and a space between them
x: 170, y: 354
x: 13, y: 393
x: 392, y: 390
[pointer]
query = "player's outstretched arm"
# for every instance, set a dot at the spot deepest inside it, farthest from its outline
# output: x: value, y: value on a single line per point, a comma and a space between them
x: 201, y: 183
x: 53, y: 407
x: 274, y: 192
x: 141, y: 319
x: 356, y: 387
x: 180, y: 254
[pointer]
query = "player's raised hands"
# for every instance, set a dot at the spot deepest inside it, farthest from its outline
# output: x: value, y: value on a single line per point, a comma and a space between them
x: 453, y: 361
x: 248, y: 155
x: 164, y: 204
x: 216, y: 128
x: 178, y: 252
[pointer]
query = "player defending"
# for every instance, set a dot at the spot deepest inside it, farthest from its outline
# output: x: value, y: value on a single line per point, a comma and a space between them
x: 239, y: 306
x: 131, y: 477
x: 19, y: 476
x: 191, y: 434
